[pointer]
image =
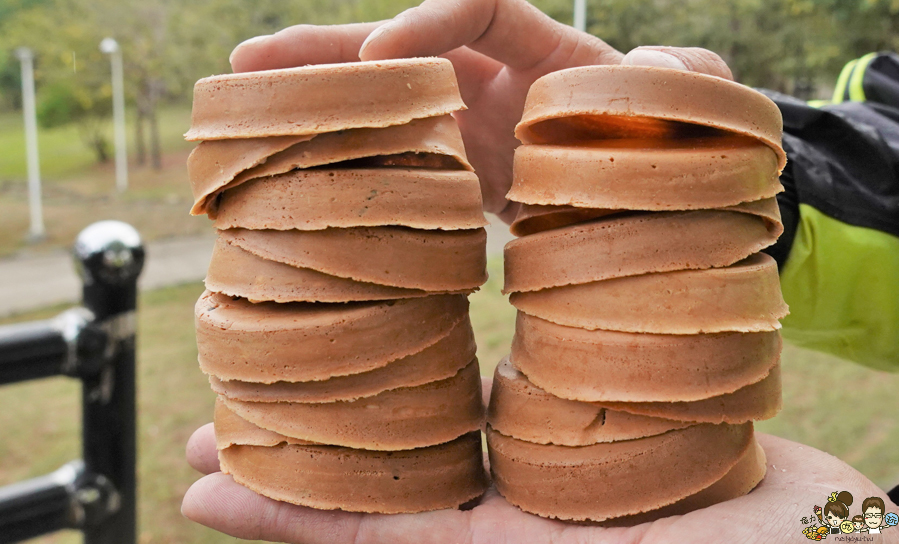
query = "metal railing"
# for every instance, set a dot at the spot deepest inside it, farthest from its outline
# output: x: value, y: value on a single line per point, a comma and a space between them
x: 95, y: 344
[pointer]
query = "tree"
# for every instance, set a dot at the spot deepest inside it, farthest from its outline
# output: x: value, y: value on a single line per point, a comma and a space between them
x: 167, y: 45
x: 779, y: 44
x: 62, y: 103
x: 73, y: 87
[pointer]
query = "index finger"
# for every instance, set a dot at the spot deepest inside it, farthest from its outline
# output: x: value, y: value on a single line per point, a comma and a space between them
x: 512, y: 32
x: 301, y: 45
x: 693, y: 59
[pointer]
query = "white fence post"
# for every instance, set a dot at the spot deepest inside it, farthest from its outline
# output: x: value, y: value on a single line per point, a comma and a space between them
x: 26, y: 58
x: 111, y: 47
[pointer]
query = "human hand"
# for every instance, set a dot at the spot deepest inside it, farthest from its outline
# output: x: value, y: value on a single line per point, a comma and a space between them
x: 798, y: 477
x: 498, y: 48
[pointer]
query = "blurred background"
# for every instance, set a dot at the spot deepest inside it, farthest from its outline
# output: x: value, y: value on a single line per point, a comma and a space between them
x: 793, y: 46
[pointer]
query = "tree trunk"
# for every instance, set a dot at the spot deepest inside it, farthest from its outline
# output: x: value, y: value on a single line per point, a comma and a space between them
x: 155, y: 148
x: 153, y: 89
x: 101, y: 148
x: 92, y: 134
x: 139, y: 140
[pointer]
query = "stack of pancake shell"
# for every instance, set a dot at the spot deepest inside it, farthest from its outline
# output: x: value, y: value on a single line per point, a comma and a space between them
x: 647, y: 339
x: 335, y: 326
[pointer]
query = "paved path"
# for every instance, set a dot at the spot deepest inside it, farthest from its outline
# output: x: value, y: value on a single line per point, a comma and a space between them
x: 30, y: 282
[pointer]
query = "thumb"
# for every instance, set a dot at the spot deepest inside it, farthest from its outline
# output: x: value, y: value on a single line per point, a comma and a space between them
x: 693, y: 59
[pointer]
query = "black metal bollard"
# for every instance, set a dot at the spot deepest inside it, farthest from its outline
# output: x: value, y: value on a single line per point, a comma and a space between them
x: 110, y: 256
x: 96, y: 344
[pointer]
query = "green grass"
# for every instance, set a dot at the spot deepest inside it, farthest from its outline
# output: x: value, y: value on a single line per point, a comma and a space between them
x: 493, y: 319
x: 156, y: 202
x: 830, y: 404
x: 842, y: 408
x: 40, y: 420
x: 62, y: 153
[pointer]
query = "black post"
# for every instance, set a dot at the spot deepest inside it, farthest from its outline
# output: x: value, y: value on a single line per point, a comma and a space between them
x: 94, y: 343
x: 109, y: 256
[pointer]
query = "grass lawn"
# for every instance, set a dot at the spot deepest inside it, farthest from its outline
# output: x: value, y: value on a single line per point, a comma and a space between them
x: 62, y: 152
x: 829, y: 404
x: 41, y: 421
x: 77, y: 191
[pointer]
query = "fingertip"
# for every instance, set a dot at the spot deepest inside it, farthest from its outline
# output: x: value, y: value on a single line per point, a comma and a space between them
x: 421, y: 31
x: 390, y: 40
x: 242, y: 56
x: 652, y: 57
x: 370, y: 48
x: 201, y: 451
x: 693, y: 59
x: 193, y: 505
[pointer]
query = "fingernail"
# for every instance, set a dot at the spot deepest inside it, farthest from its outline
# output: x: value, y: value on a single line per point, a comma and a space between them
x: 653, y: 57
x: 376, y: 33
x: 254, y: 39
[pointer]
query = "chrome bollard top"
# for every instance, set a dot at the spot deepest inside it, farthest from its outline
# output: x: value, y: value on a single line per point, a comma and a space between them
x: 109, y: 252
